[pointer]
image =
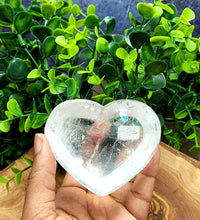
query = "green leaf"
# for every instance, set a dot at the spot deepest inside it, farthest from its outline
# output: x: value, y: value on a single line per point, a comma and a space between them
x: 99, y: 98
x: 168, y: 15
x: 8, y: 35
x: 3, y: 180
x: 34, y: 89
x: 73, y: 50
x: 187, y: 126
x: 47, y: 104
x: 194, y: 149
x: 14, y: 3
x: 91, y: 9
x: 192, y: 136
x: 15, y: 170
x: 110, y: 24
x: 160, y: 31
x: 65, y: 10
x: 27, y: 124
x: 159, y: 40
x: 122, y: 53
x: 41, y: 32
x: 180, y: 112
x: 49, y: 46
x: 29, y: 162
x: 54, y: 23
x: 147, y: 52
x: 22, y: 21
x: 17, y: 72
x: 7, y: 14
x: 132, y: 20
x: 151, y: 23
x: 138, y: 38
x: 133, y: 55
x: 59, y: 4
x: 197, y: 107
x: 72, y: 20
x: 108, y: 70
x: 48, y: 10
x: 110, y: 87
x: 194, y: 122
x: 155, y: 82
x: 155, y: 67
x: 75, y: 10
x: 18, y: 177
x: 40, y: 119
x: 51, y: 75
x: 167, y: 8
x: 71, y: 88
x: 35, y: 73
x: 147, y: 11
x: 85, y: 54
x: 93, y: 80
x: 156, y: 95
x: 107, y: 100
x: 9, y: 115
x: 166, y: 24
x: 60, y: 40
x: 21, y: 124
x: 129, y: 65
x: 91, y: 21
x: 14, y: 108
x: 91, y: 65
x: 64, y: 66
x: 59, y: 86
x: 83, y: 71
x: 190, y: 66
x: 189, y: 31
x: 177, y: 34
x: 167, y: 132
x: 70, y: 2
x: 187, y: 15
x: 113, y: 46
x: 167, y: 52
x: 190, y: 45
x: 5, y: 126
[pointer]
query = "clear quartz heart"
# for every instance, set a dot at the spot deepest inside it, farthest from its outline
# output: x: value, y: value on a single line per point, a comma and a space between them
x: 103, y: 147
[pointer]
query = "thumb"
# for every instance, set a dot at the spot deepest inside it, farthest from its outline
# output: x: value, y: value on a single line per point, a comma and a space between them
x: 40, y: 194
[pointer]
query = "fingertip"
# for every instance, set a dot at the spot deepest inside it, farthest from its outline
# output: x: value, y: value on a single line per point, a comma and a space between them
x: 38, y: 143
x: 152, y: 167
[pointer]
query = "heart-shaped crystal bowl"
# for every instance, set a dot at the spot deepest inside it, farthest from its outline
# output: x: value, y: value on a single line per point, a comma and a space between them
x: 103, y: 147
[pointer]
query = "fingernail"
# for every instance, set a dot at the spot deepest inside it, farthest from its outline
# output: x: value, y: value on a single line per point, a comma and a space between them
x: 38, y: 143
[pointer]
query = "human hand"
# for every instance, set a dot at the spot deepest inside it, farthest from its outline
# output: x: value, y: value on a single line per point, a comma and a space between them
x: 75, y: 202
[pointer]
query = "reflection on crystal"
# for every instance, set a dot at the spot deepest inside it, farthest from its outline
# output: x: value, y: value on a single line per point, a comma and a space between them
x: 99, y: 144
x: 123, y: 114
x: 103, y: 147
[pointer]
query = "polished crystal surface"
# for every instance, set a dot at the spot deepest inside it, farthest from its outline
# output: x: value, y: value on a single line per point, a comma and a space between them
x: 103, y: 147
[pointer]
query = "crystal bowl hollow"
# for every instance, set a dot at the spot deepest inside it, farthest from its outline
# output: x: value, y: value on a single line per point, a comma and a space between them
x: 103, y: 147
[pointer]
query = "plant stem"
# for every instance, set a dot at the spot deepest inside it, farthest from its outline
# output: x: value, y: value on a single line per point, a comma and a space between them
x: 21, y: 41
x: 191, y: 118
x: 46, y: 65
x: 142, y: 23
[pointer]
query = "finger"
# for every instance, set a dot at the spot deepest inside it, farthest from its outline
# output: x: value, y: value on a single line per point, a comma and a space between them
x: 40, y: 194
x: 71, y: 199
x: 69, y: 181
x: 141, y: 192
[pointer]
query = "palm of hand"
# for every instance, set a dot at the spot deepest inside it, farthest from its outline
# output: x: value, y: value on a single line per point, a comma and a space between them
x: 74, y: 202
x: 131, y: 201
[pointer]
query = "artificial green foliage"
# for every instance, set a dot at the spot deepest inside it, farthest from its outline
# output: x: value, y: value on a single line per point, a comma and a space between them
x: 53, y: 51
